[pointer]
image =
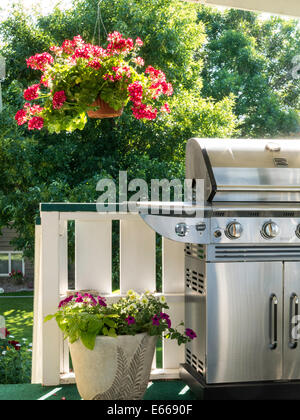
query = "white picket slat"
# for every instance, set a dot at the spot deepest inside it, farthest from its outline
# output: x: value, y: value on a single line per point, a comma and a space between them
x: 173, y: 282
x: 93, y: 255
x: 137, y: 256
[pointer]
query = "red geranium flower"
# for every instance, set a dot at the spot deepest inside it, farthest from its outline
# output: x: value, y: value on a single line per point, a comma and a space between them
x: 36, y: 123
x: 59, y: 98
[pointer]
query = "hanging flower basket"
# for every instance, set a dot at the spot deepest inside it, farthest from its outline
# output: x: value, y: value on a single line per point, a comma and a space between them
x: 104, y: 110
x: 77, y: 75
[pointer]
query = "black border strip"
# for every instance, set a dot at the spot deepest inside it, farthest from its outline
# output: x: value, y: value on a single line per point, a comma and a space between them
x: 210, y: 174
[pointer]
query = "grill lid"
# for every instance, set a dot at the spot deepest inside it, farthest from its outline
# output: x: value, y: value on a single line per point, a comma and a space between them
x: 245, y: 170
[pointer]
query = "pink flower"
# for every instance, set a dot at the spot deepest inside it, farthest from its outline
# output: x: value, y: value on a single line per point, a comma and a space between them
x: 59, y: 98
x: 139, y: 42
x: 36, y: 123
x: 190, y: 333
x: 130, y: 320
x: 94, y: 64
x: 155, y: 320
x: 165, y: 108
x: 64, y: 302
x: 32, y: 93
x: 165, y: 317
x: 21, y: 118
x: 39, y: 61
x: 101, y: 301
x: 139, y: 61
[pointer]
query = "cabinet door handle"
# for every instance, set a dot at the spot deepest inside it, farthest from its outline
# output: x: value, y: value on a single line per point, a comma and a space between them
x: 294, y: 312
x: 273, y: 322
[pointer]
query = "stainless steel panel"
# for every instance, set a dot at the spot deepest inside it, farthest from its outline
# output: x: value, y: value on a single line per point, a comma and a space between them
x: 195, y: 311
x: 252, y: 227
x: 239, y: 322
x: 245, y: 170
x: 197, y: 229
x: 291, y: 349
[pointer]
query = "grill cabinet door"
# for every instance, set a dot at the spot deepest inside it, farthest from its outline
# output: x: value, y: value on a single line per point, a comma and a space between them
x: 291, y: 351
x: 244, y: 322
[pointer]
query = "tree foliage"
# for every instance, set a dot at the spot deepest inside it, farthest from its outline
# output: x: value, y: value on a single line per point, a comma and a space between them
x: 42, y: 167
x: 253, y: 59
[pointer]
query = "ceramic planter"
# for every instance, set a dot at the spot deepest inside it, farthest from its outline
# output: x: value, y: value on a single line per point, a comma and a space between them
x: 117, y: 369
x: 104, y: 110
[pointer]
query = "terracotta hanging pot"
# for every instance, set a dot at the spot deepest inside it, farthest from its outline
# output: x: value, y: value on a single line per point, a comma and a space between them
x: 104, y: 110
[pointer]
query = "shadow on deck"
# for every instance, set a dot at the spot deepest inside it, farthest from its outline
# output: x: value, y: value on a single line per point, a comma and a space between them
x: 158, y: 390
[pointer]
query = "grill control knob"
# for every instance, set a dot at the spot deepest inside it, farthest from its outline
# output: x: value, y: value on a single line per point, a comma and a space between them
x: 234, y: 230
x: 181, y: 229
x: 270, y: 230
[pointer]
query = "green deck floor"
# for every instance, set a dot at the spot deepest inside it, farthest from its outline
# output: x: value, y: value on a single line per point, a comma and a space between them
x: 158, y: 390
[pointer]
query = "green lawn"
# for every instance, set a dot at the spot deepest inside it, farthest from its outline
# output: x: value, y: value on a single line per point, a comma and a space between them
x: 18, y: 314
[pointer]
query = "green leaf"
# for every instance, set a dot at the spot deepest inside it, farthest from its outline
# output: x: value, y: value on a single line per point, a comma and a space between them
x: 88, y: 340
x: 49, y: 318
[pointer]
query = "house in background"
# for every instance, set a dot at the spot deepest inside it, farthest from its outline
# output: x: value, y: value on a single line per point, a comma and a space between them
x: 10, y: 259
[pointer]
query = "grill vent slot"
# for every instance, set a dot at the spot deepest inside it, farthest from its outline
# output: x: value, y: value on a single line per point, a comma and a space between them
x: 227, y: 252
x: 194, y: 362
x: 219, y: 214
x: 195, y: 281
x: 196, y: 251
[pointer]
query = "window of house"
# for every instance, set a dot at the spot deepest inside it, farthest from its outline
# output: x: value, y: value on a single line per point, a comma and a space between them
x: 10, y: 261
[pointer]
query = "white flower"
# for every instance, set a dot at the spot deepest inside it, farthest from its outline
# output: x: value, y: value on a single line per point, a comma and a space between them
x: 131, y: 307
x: 144, y: 300
x: 1, y: 290
x: 30, y: 345
x: 11, y: 336
x: 3, y: 353
x: 162, y: 299
x: 24, y: 339
x: 130, y: 293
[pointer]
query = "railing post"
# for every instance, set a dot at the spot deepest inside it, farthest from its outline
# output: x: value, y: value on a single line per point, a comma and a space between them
x: 37, y: 363
x: 50, y: 277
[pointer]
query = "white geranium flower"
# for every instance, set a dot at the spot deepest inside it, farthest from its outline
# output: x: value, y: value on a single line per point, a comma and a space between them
x: 1, y: 290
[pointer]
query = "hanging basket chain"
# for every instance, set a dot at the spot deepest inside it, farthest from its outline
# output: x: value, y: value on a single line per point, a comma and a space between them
x: 99, y: 22
x: 2, y: 78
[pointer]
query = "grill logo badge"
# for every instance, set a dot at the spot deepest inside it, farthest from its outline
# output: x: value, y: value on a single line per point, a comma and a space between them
x: 281, y: 162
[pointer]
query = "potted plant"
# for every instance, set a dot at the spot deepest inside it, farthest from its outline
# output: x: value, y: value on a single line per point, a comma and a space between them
x: 80, y: 79
x: 112, y: 346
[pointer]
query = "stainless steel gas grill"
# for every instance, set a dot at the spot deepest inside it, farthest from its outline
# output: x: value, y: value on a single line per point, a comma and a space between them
x: 242, y: 265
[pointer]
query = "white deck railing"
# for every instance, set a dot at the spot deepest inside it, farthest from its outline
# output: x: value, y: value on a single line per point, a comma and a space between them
x: 93, y: 271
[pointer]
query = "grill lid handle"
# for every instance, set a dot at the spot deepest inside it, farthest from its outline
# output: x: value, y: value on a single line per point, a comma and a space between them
x: 273, y: 147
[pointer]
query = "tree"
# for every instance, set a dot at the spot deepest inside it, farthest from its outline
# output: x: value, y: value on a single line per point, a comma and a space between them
x: 252, y: 58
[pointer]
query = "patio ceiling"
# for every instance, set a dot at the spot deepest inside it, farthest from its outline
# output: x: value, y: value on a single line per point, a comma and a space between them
x: 282, y: 7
